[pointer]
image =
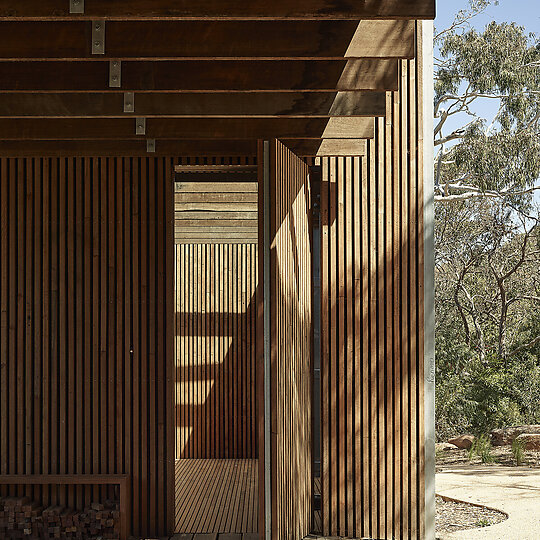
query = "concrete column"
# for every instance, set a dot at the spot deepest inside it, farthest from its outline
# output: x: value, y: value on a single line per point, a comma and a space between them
x: 426, y: 51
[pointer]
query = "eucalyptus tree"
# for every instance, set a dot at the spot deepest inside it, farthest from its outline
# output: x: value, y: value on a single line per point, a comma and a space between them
x: 496, y: 157
x: 487, y: 223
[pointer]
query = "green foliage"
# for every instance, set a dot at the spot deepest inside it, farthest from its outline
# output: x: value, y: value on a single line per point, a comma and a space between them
x: 481, y: 447
x: 455, y: 409
x: 500, y: 64
x: 487, y: 61
x: 484, y: 395
x: 518, y: 451
x: 478, y: 389
x: 502, y: 159
x: 483, y: 522
x: 487, y: 229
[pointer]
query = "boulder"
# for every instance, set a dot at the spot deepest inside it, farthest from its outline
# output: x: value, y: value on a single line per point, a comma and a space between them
x: 531, y: 441
x: 505, y: 436
x: 463, y: 441
x: 444, y: 446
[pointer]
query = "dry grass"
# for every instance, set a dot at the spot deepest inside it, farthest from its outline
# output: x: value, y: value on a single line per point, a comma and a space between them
x: 502, y: 456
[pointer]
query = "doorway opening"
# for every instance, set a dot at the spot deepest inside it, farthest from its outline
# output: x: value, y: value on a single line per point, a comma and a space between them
x: 215, y: 252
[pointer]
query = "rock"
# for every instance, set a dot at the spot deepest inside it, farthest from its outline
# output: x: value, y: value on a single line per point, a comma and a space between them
x: 444, y: 446
x: 531, y: 441
x: 463, y: 441
x: 505, y: 436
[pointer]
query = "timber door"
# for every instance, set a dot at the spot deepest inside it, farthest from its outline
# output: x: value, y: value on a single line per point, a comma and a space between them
x: 285, y: 245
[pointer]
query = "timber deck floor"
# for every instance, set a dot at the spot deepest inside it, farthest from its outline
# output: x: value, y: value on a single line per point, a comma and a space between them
x: 216, y: 536
x: 216, y: 496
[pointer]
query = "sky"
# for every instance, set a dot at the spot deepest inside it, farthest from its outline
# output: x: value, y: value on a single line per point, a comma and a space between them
x: 524, y: 12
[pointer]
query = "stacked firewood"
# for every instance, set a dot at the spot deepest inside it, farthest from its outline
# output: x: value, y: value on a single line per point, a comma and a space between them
x: 22, y: 518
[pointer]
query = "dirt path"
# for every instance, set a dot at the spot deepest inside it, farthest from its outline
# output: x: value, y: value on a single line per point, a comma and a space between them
x: 514, y: 490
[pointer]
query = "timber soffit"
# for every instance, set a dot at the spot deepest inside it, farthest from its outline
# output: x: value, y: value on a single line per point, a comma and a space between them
x: 170, y: 147
x: 220, y: 9
x: 199, y: 40
x: 314, y: 71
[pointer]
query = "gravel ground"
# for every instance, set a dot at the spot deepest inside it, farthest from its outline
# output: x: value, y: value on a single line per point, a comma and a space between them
x: 452, y: 516
x: 502, y: 456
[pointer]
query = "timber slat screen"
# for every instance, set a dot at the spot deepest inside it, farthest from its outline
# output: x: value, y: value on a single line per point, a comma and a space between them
x: 291, y: 342
x: 99, y: 99
x: 215, y: 350
x: 371, y: 327
x: 84, y: 332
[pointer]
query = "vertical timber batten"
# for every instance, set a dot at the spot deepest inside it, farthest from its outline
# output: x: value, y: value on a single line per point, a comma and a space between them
x: 90, y: 325
x: 377, y: 395
x: 198, y: 438
x: 267, y: 344
x: 290, y: 326
x: 86, y: 324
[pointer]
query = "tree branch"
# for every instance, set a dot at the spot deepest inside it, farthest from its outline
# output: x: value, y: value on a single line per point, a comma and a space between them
x: 458, y: 134
x: 526, y: 345
x: 471, y: 192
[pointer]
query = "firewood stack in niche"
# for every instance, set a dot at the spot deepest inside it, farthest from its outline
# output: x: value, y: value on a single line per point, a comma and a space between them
x: 21, y: 517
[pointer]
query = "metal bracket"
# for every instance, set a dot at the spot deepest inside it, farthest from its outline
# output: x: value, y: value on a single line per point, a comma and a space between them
x: 115, y: 73
x: 151, y: 146
x: 140, y: 126
x: 76, y: 6
x: 98, y: 37
x: 129, y: 102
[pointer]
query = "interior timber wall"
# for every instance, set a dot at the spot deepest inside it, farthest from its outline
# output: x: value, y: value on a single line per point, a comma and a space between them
x: 86, y: 284
x: 85, y: 334
x: 215, y: 350
x: 291, y: 343
x: 372, y: 328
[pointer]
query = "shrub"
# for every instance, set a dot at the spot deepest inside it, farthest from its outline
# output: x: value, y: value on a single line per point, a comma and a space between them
x: 481, y: 447
x: 483, y: 522
x: 478, y: 396
x: 518, y: 450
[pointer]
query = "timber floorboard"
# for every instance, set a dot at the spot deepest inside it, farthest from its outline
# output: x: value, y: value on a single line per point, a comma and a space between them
x: 215, y: 536
x: 216, y: 496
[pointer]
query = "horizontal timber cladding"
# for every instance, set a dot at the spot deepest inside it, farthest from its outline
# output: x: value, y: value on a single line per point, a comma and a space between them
x: 291, y: 343
x: 215, y: 208
x: 372, y: 329
x: 215, y: 291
